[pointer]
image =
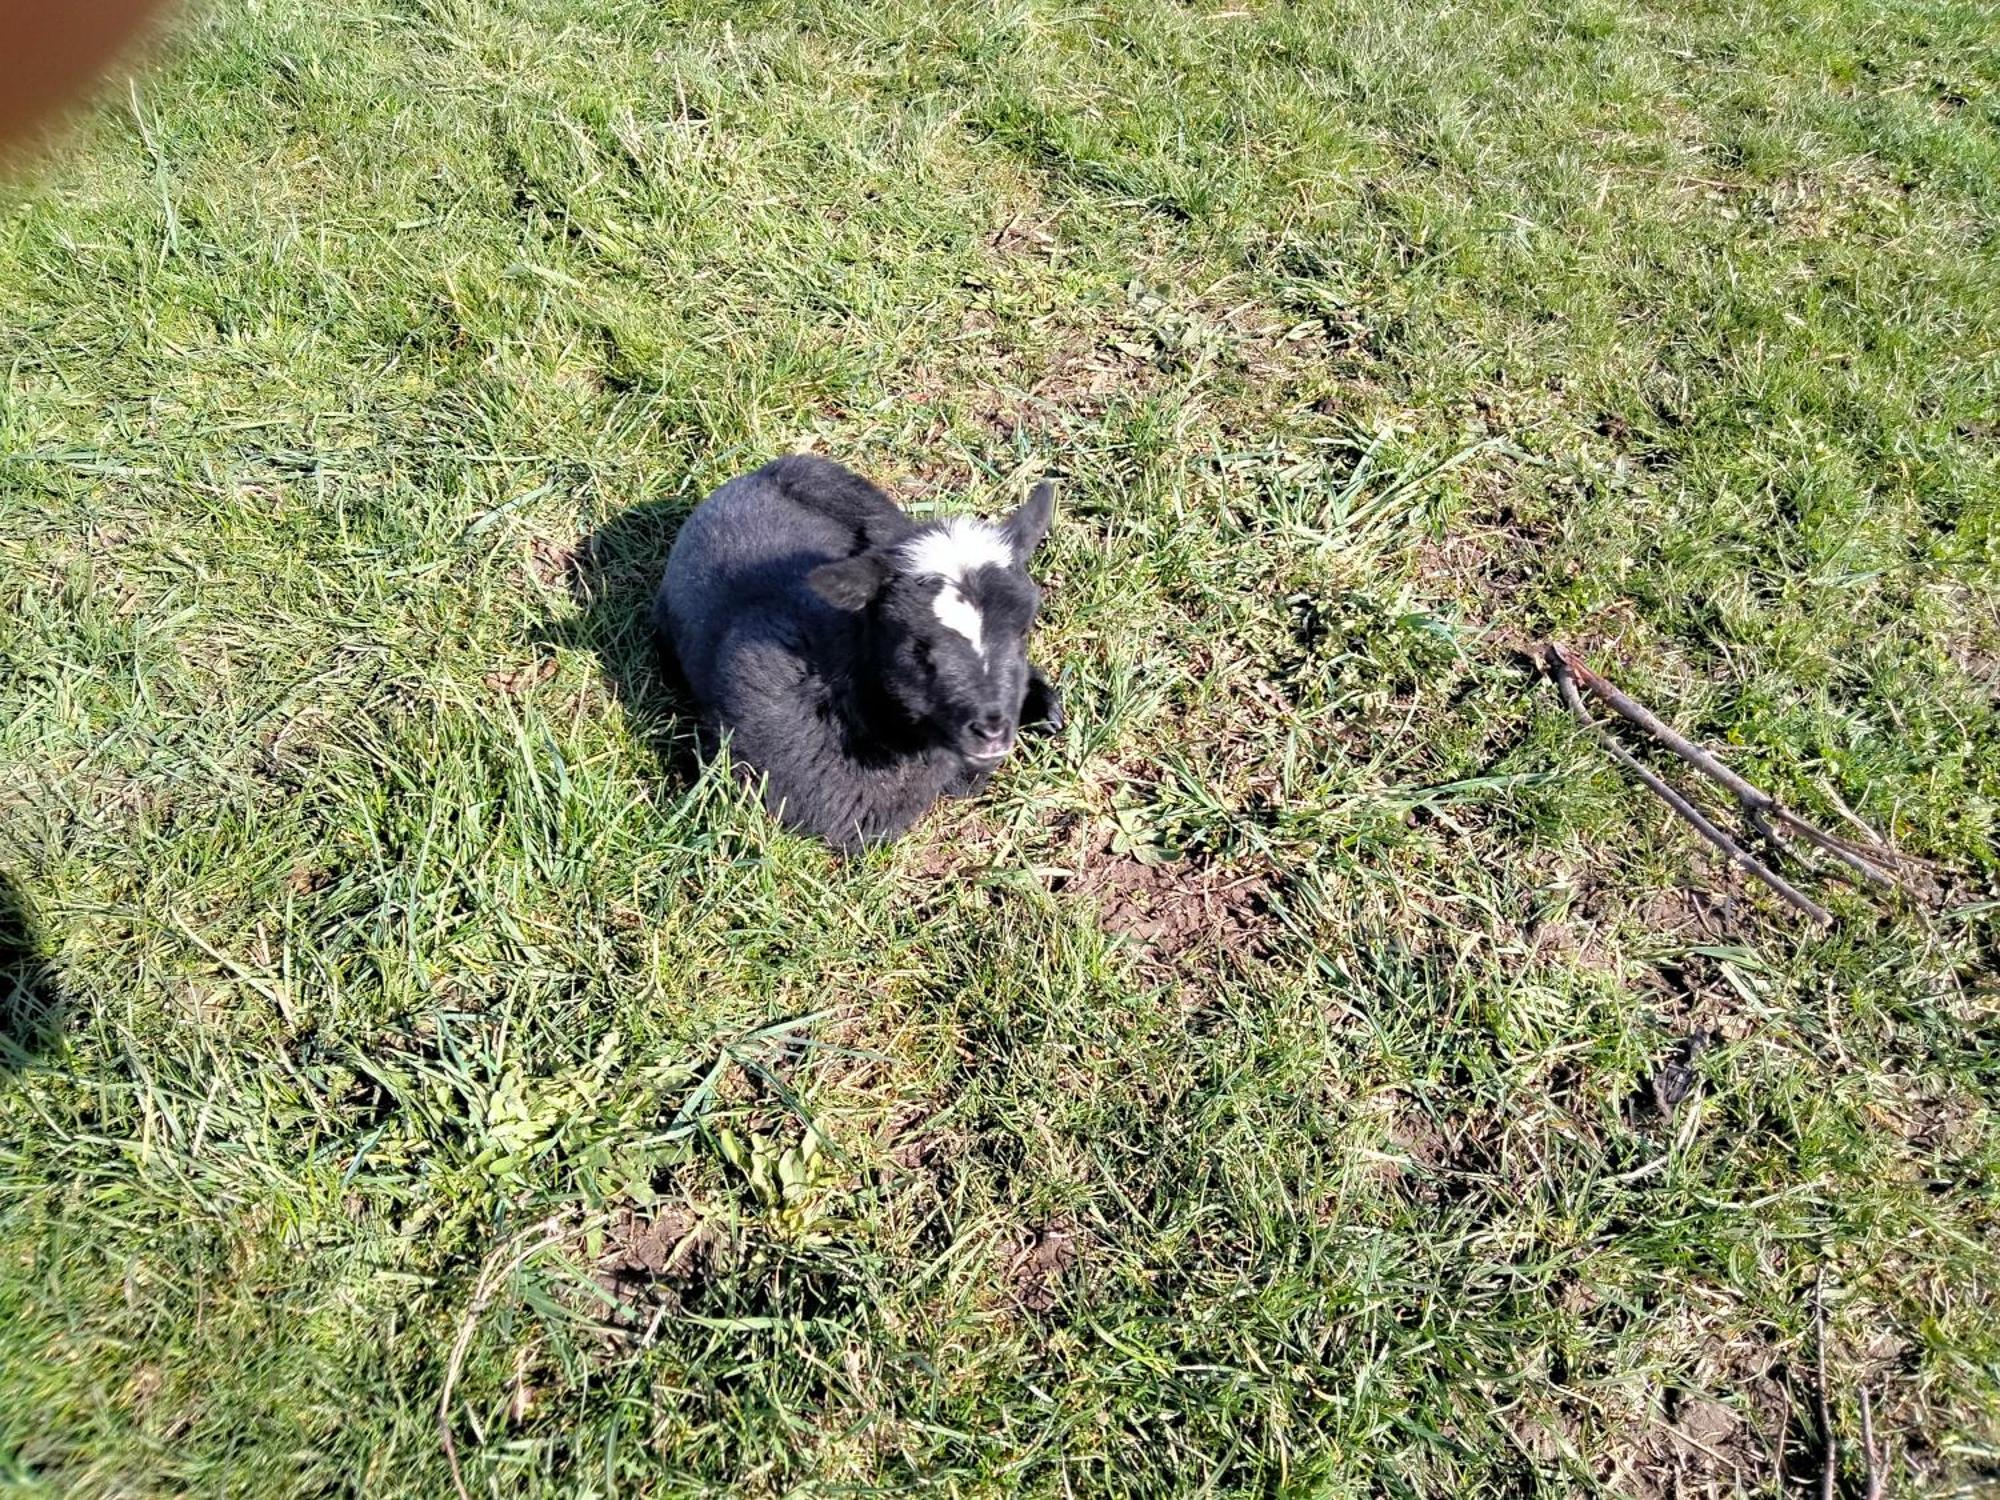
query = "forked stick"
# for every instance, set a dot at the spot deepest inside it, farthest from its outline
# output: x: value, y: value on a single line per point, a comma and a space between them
x: 1872, y: 864
x: 1564, y: 666
x: 1875, y: 1477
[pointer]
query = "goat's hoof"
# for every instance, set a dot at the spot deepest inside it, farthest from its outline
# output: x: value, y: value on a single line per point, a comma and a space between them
x: 1043, y: 712
x: 968, y: 783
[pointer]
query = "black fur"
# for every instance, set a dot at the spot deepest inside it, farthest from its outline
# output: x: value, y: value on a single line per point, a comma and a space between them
x: 800, y: 630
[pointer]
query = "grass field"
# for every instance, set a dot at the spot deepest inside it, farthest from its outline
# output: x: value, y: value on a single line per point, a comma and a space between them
x: 1246, y: 1097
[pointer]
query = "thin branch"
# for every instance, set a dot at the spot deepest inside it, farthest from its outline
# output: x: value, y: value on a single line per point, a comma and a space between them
x: 1873, y: 837
x: 1689, y: 813
x: 1832, y: 1468
x: 1662, y: 731
x: 1875, y: 867
x: 1878, y: 1480
x: 1883, y: 854
x: 1767, y: 836
x: 1863, y: 864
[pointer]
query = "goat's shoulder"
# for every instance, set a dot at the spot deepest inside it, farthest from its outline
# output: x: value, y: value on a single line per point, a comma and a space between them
x: 840, y: 495
x: 771, y: 663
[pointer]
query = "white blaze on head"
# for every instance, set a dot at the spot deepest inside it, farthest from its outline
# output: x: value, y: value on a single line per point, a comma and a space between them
x: 952, y: 551
x: 956, y: 612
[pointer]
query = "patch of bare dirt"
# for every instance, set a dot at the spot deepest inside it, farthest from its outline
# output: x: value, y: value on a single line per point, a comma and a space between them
x: 1721, y: 1442
x: 1034, y: 1276
x: 1939, y: 1123
x: 1593, y: 932
x: 939, y: 860
x: 650, y: 1265
x: 1021, y: 236
x: 1689, y: 911
x: 1695, y: 995
x: 1486, y: 569
x: 1974, y: 644
x: 307, y: 878
x: 1449, y: 1163
x: 1415, y: 1137
x: 1700, y: 1445
x: 1173, y: 909
x: 552, y: 562
x: 930, y: 481
x: 1569, y: 938
x: 515, y: 681
x: 1983, y: 667
x: 911, y: 1136
x: 1432, y: 1157
x: 1082, y: 377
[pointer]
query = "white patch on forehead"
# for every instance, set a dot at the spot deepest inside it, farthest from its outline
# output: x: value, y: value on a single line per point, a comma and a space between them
x: 959, y: 614
x: 951, y: 551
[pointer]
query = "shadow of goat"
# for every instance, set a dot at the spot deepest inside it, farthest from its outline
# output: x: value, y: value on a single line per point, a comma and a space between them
x: 613, y: 575
x: 32, y: 1004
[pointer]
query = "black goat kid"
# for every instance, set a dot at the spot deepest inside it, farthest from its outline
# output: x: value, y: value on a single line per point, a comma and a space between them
x: 861, y: 664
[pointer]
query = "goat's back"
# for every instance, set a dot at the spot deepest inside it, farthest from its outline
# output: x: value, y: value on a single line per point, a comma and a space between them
x: 739, y: 564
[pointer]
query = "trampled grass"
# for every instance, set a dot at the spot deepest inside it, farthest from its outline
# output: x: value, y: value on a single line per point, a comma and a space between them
x: 1246, y: 1096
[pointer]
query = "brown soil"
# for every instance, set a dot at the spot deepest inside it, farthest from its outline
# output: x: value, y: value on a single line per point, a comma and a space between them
x: 518, y: 680
x: 1173, y: 909
x: 552, y: 562
x: 1034, y: 1276
x: 1702, y: 1445
x: 1019, y: 236
x: 1724, y: 1442
x: 910, y: 1139
x: 651, y: 1264
x: 1417, y: 1136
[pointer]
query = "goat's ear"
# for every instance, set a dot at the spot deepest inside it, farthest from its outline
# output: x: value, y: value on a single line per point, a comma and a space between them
x: 1025, y: 528
x: 853, y: 581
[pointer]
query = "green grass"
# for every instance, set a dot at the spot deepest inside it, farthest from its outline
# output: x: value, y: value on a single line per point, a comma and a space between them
x: 377, y: 948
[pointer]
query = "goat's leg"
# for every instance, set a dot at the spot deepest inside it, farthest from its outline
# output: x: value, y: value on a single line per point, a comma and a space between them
x: 968, y: 781
x: 1042, y: 708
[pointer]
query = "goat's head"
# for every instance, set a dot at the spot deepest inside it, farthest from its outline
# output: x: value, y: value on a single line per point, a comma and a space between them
x: 949, y: 610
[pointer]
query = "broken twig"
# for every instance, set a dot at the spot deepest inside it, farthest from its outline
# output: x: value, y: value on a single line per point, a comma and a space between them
x: 1874, y: 862
x: 1564, y: 666
x: 1875, y: 1477
x: 1877, y: 1480
x: 1831, y: 1469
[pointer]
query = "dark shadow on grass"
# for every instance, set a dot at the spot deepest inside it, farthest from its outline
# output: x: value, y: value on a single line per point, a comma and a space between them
x: 613, y: 576
x: 32, y: 1005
